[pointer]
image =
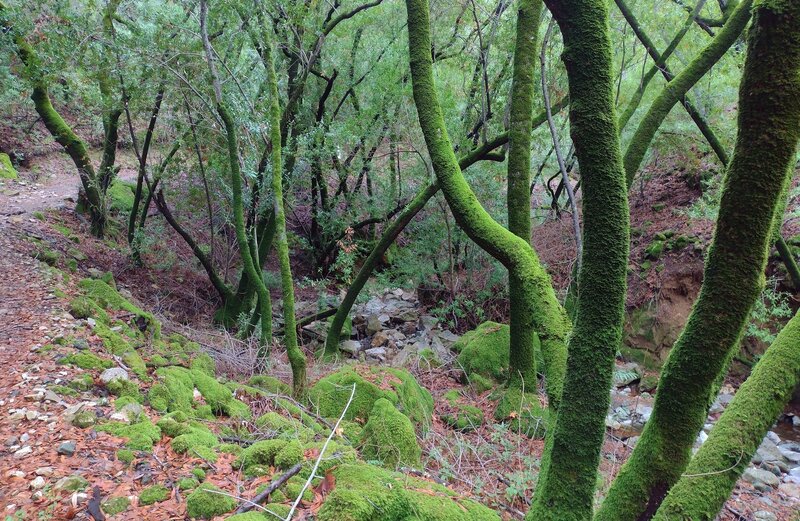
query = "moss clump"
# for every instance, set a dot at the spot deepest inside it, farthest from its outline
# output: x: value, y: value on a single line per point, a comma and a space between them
x: 107, y: 297
x: 195, y: 436
x: 218, y: 396
x: 389, y: 436
x: 463, y: 417
x: 134, y: 361
x: 285, y: 428
x: 157, y: 361
x: 86, y: 360
x: 174, y: 391
x: 48, y: 256
x: 290, y: 455
x: 7, y: 170
x: 260, y: 453
x: 480, y: 383
x: 484, y: 352
x: 63, y: 390
x: 121, y: 195
x: 171, y: 427
x: 199, y: 473
x: 187, y: 483
x: 654, y: 250
x: 523, y: 412
x: 115, y: 505
x: 365, y: 492
x: 206, y: 505
x: 204, y: 364
x: 154, y: 494
x: 84, y: 307
x: 293, y: 488
x: 141, y: 435
x: 129, y: 388
x: 269, y: 384
x: 113, y: 342
x: 331, y: 393
x: 336, y: 454
x: 82, y: 383
x: 84, y: 419
x: 125, y: 456
x: 204, y: 453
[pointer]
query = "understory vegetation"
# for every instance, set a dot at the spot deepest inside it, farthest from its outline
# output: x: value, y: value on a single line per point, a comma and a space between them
x: 406, y: 260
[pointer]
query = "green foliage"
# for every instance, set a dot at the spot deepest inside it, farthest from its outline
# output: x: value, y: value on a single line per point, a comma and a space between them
x: 770, y: 308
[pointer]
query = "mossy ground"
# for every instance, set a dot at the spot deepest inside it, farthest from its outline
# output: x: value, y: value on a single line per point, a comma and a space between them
x: 389, y: 437
x: 483, y: 353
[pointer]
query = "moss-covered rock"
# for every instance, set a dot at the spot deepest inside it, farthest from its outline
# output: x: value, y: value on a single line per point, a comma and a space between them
x: 194, y: 436
x: 115, y: 505
x: 523, y: 412
x: 252, y: 516
x: 199, y: 473
x: 174, y: 391
x: 125, y: 456
x: 134, y: 361
x: 120, y: 195
x: 154, y: 494
x: 123, y: 388
x: 462, y: 417
x: 202, y: 504
x: 331, y: 393
x: 269, y: 384
x: 82, y: 383
x: 84, y: 307
x: 389, y: 437
x: 7, y: 170
x: 259, y: 453
x: 484, y: 352
x: 107, y: 297
x: 204, y: 364
x: 290, y: 455
x: 113, y: 342
x: 86, y: 360
x: 188, y: 483
x: 141, y: 435
x: 279, y: 426
x: 365, y: 493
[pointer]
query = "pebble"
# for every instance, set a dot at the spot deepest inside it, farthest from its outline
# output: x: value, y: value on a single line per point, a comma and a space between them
x: 44, y: 471
x: 24, y: 452
x: 67, y: 448
x: 15, y: 474
x: 791, y: 490
x: 38, y: 482
x: 763, y: 515
x: 114, y: 373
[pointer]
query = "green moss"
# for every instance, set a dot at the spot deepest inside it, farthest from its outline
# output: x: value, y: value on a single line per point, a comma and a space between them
x: 199, y: 473
x: 365, y: 493
x: 125, y: 456
x: 172, y: 428
x: 120, y: 387
x: 63, y: 390
x: 463, y: 417
x: 523, y: 412
x: 115, y: 505
x: 259, y: 453
x: 157, y: 361
x: 154, y: 494
x: 654, y: 250
x: 270, y: 384
x: 253, y: 515
x: 480, y: 383
x: 82, y: 383
x: 215, y: 394
x: 113, y: 342
x: 331, y: 393
x: 187, y: 483
x: 290, y: 455
x: 84, y: 419
x: 121, y: 195
x: 7, y: 170
x: 86, y: 360
x: 84, y: 307
x: 282, y: 427
x: 73, y: 483
x: 337, y: 453
x: 389, y: 437
x: 484, y: 351
x: 294, y: 486
x: 174, y: 392
x: 204, y: 364
x: 195, y: 436
x: 135, y: 363
x: 107, y: 297
x: 206, y: 505
x: 141, y: 435
x: 205, y: 453
x: 230, y: 448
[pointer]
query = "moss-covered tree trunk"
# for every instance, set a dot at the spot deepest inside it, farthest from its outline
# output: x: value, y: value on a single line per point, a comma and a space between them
x: 265, y: 304
x: 768, y: 130
x: 677, y: 88
x: 529, y: 13
x: 297, y: 358
x: 548, y: 317
x: 567, y: 482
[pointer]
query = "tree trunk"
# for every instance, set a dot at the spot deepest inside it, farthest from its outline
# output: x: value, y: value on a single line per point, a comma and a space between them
x: 569, y: 469
x: 768, y: 131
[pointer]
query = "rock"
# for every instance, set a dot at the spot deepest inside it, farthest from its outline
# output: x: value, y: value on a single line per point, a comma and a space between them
x: 129, y: 412
x: 353, y: 347
x: 38, y: 482
x: 67, y: 448
x: 12, y: 440
x: 384, y: 318
x: 627, y: 373
x: 760, y: 477
x: 791, y: 490
x: 80, y: 344
x: 72, y: 483
x: 448, y: 338
x: 377, y: 353
x: 763, y: 515
x: 31, y: 415
x: 381, y: 338
x: 44, y: 471
x: 790, y: 452
x: 768, y: 452
x: 774, y: 438
x: 23, y: 453
x: 15, y: 474
x: 24, y: 438
x: 428, y: 321
x: 373, y: 324
x: 114, y: 373
x: 73, y: 410
x: 84, y: 419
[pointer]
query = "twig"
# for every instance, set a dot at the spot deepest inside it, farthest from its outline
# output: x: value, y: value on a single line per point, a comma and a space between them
x: 321, y: 453
x: 248, y: 504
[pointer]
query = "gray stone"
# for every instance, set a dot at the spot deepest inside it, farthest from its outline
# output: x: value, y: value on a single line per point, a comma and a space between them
x: 760, y: 477
x: 763, y: 515
x: 774, y: 438
x: 791, y: 490
x: 22, y: 453
x: 353, y: 347
x: 768, y: 452
x: 114, y: 373
x: 45, y: 471
x: 38, y: 482
x: 373, y: 324
x: 378, y: 353
x: 67, y: 448
x: 72, y: 483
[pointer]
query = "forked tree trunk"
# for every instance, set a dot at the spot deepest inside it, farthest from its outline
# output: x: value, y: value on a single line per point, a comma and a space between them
x: 768, y: 131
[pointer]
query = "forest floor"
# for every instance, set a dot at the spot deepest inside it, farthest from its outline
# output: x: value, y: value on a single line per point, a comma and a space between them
x: 42, y: 450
